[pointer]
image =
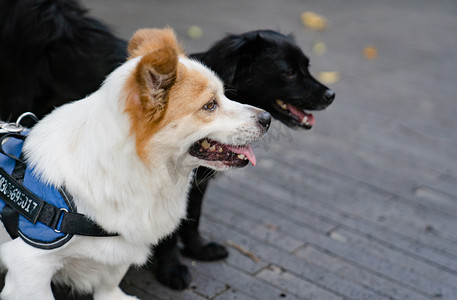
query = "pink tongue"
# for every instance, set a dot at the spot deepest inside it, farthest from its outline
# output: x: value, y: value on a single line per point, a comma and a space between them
x: 246, y: 151
x: 301, y: 114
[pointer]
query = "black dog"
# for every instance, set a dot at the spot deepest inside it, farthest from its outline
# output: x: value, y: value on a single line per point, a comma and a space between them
x: 261, y: 68
x: 51, y: 52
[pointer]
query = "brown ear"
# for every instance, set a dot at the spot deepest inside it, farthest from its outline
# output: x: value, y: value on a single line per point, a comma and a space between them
x: 154, y: 75
x: 148, y: 40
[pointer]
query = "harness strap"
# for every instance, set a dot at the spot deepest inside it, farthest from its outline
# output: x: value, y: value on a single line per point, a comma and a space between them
x: 10, y: 218
x: 24, y: 202
x: 69, y: 222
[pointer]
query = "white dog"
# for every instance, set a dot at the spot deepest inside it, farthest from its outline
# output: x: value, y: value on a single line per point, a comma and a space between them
x: 125, y: 154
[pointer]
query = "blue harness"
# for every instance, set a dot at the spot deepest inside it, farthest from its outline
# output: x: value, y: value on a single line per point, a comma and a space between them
x: 42, y: 215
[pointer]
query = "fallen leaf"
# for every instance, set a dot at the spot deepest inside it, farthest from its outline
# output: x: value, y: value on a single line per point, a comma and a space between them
x: 320, y: 48
x: 314, y: 21
x: 195, y: 32
x: 370, y: 52
x: 328, y: 77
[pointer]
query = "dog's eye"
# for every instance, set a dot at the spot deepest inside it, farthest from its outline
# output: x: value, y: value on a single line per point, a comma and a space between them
x: 210, y: 106
x: 290, y: 74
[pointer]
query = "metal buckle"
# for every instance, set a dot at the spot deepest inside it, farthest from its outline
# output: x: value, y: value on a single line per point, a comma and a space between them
x: 62, y: 210
x: 16, y: 127
x: 10, y: 128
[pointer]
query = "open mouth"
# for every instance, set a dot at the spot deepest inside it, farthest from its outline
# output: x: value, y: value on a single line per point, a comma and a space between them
x: 301, y: 117
x: 228, y: 155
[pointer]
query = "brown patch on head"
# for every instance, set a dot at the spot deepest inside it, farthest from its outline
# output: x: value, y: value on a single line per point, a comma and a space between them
x: 148, y: 40
x: 162, y: 90
x: 147, y: 90
x: 191, y: 91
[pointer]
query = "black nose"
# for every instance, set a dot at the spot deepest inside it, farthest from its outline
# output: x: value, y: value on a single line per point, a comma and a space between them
x: 329, y: 96
x: 264, y: 120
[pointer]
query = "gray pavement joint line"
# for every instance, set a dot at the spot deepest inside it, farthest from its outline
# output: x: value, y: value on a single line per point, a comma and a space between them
x: 300, y: 276
x: 385, y: 228
x: 389, y: 245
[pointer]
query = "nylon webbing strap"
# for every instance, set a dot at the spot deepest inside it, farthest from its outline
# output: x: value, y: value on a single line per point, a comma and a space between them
x: 24, y: 202
x: 10, y: 218
x: 19, y: 198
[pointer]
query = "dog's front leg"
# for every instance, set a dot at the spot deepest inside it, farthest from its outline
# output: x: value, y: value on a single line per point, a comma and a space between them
x: 108, y: 289
x: 195, y: 246
x: 16, y: 287
x: 30, y: 272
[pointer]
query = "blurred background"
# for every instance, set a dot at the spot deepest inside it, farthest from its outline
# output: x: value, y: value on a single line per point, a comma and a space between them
x: 364, y: 205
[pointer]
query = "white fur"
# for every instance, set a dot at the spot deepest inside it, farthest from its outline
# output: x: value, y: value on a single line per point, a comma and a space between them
x: 87, y: 146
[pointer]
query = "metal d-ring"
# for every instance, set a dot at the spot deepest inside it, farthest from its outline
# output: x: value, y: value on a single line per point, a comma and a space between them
x: 25, y: 115
x: 62, y: 210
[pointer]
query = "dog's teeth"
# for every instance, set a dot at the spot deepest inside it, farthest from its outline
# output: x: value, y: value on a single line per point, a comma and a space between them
x: 281, y: 104
x: 221, y: 150
x: 205, y: 144
x: 212, y: 148
x: 305, y: 120
x: 241, y: 156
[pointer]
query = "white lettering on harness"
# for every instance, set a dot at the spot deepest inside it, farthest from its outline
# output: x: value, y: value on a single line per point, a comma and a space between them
x: 17, y: 199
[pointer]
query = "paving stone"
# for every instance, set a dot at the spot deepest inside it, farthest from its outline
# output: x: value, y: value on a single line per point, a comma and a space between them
x: 242, y: 282
x: 276, y: 234
x: 356, y: 274
x: 438, y: 198
x: 206, y: 286
x: 427, y: 270
x: 284, y: 215
x: 343, y: 211
x: 447, y: 184
x: 295, y: 285
x: 300, y: 268
x: 362, y: 257
x: 273, y: 236
x: 375, y: 264
x: 232, y: 294
x: 141, y: 283
x: 352, y: 193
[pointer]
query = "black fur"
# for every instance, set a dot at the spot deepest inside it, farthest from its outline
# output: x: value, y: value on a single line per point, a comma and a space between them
x: 257, y: 68
x: 51, y: 52
x: 262, y: 66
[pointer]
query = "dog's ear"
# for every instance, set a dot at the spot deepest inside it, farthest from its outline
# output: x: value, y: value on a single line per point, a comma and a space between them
x: 154, y: 76
x: 291, y: 36
x: 151, y: 39
x: 232, y: 56
x: 147, y: 92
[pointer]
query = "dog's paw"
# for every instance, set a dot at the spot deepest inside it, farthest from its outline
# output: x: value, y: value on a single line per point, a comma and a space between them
x: 176, y: 277
x: 208, y: 252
